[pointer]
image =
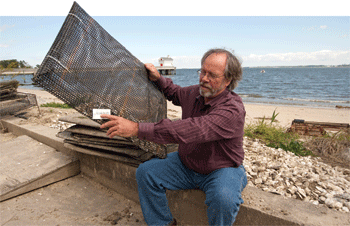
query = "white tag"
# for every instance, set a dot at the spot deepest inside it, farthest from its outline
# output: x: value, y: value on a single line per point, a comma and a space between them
x: 97, y: 112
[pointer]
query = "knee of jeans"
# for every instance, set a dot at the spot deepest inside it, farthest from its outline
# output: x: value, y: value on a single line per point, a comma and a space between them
x: 226, y: 199
x: 140, y: 171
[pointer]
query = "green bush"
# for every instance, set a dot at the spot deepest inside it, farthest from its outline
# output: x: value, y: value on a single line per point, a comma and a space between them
x: 294, y: 146
x: 275, y: 136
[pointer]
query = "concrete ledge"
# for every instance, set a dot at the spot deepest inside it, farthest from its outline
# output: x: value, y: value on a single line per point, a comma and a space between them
x: 260, y: 208
x: 40, y: 133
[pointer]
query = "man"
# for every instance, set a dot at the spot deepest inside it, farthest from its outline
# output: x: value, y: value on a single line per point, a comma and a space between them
x: 210, y: 138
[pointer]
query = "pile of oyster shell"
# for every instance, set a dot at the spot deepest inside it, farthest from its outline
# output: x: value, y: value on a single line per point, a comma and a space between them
x: 61, y: 126
x: 304, y: 178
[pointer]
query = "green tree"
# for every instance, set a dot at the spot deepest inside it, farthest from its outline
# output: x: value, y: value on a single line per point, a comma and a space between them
x: 9, y: 64
x: 13, y: 63
x: 23, y: 64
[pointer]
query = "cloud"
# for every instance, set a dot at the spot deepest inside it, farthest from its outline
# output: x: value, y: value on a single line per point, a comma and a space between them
x: 5, y: 27
x: 298, y: 58
x: 323, y: 27
x: 187, y: 61
x: 3, y: 46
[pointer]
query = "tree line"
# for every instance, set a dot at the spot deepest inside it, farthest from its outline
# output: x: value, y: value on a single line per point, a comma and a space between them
x: 9, y: 64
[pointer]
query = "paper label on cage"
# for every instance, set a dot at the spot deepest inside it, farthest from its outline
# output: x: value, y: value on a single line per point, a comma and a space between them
x: 96, y: 113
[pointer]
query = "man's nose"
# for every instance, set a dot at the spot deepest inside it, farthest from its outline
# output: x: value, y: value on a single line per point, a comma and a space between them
x: 205, y: 78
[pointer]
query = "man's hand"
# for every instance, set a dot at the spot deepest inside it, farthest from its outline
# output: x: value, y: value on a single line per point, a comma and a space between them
x: 119, y: 126
x: 153, y: 73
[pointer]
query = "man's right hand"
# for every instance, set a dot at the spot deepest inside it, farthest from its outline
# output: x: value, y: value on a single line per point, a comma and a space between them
x: 153, y: 73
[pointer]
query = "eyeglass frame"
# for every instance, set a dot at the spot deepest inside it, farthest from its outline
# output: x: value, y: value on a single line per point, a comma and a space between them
x: 210, y: 76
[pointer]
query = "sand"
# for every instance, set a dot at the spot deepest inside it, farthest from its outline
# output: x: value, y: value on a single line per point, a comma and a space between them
x: 254, y: 112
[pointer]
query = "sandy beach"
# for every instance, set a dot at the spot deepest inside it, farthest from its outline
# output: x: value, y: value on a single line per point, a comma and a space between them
x: 254, y: 112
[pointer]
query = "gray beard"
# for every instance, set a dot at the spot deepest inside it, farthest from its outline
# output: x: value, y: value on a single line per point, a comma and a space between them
x: 206, y: 94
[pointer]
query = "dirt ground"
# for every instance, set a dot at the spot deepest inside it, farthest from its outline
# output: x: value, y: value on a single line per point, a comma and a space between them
x: 74, y: 201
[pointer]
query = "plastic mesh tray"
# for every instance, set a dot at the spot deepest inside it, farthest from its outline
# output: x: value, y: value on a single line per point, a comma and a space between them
x: 88, y: 69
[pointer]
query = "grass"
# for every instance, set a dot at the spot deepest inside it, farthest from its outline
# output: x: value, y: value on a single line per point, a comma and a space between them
x: 55, y: 105
x: 275, y: 136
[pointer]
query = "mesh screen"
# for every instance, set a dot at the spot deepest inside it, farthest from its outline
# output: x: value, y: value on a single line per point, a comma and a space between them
x: 88, y: 69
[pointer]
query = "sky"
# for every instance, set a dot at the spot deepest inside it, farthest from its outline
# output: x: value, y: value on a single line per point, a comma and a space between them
x: 261, y: 33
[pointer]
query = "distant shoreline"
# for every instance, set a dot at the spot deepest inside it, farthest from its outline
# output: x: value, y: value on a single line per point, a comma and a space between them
x: 291, y: 103
x: 305, y: 66
x: 299, y: 66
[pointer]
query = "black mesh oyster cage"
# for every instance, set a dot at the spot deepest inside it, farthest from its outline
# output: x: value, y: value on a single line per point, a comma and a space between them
x: 88, y: 69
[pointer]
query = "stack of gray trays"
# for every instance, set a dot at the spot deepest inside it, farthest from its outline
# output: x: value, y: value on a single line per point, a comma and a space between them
x: 87, y: 137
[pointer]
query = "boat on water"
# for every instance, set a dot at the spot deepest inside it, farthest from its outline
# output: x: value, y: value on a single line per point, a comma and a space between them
x: 262, y: 71
x: 166, y: 66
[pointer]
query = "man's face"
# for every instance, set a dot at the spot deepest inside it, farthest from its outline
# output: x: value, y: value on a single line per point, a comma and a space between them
x: 212, y: 80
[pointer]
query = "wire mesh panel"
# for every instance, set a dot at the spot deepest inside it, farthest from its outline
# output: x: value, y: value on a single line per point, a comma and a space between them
x: 88, y: 69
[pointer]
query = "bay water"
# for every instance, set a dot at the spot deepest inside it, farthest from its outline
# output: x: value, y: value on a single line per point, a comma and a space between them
x: 302, y: 86
x: 299, y: 86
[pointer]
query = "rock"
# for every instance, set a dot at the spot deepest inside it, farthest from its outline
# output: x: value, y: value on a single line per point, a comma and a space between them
x: 322, y: 199
x: 258, y: 181
x: 301, y: 193
x: 338, y: 205
x: 305, y: 178
x: 347, y: 204
x: 330, y: 202
x: 345, y: 209
x: 345, y: 196
x: 346, y: 172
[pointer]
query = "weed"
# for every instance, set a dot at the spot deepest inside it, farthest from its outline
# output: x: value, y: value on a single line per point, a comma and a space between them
x: 275, y: 136
x: 55, y: 105
x: 294, y: 146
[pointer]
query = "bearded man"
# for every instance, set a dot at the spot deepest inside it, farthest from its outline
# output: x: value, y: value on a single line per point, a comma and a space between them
x: 210, y: 138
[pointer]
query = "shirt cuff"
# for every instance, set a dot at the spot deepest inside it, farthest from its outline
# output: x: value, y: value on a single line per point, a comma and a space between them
x: 161, y: 82
x: 146, y: 131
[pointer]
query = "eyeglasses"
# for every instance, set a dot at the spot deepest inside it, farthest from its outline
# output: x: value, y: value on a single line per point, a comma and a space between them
x: 210, y: 76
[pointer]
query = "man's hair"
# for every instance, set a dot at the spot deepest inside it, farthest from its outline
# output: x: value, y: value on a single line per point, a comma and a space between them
x: 233, y: 69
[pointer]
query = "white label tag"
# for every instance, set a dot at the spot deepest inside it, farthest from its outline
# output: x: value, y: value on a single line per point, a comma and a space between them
x: 97, y: 112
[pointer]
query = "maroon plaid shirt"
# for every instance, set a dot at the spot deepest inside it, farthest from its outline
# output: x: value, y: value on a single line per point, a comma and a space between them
x: 210, y: 136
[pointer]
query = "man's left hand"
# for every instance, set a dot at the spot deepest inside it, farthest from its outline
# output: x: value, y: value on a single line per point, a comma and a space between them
x: 119, y: 126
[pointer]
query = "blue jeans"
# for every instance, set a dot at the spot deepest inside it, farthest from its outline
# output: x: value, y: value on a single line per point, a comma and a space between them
x: 222, y: 187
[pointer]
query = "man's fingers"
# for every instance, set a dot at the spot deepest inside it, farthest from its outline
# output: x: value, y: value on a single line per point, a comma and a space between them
x: 111, y: 135
x: 108, y: 124
x: 111, y: 131
x: 113, y: 121
x: 111, y: 117
x: 119, y: 126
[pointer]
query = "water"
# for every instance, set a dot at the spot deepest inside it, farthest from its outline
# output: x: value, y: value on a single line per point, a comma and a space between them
x: 315, y: 87
x: 25, y: 81
x: 300, y: 86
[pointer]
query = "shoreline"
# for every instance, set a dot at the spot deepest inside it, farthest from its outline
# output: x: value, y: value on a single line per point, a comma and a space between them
x: 283, y: 102
x: 254, y: 111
